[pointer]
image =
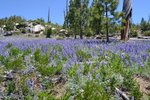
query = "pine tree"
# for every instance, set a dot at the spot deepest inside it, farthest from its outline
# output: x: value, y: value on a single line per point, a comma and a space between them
x: 49, y: 16
x: 83, y: 16
x: 101, y: 10
x: 71, y: 17
x: 97, y: 14
x: 65, y: 26
x: 145, y: 26
x: 77, y: 16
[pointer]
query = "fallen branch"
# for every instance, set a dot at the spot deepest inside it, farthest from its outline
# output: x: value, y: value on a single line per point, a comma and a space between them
x: 123, y: 95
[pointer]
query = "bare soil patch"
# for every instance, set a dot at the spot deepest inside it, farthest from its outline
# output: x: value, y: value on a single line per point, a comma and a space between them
x: 144, y: 85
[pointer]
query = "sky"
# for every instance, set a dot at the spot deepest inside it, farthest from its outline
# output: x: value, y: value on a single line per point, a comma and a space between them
x: 33, y: 9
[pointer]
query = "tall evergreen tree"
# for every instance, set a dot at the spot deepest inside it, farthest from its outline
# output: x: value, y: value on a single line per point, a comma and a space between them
x: 102, y: 10
x: 97, y: 14
x: 110, y: 8
x: 80, y: 15
x: 66, y: 16
x: 83, y: 16
x: 77, y: 16
x: 145, y: 26
x: 71, y: 17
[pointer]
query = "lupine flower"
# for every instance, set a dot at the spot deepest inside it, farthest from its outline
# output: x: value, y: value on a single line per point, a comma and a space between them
x: 104, y: 62
x: 41, y: 87
x: 89, y: 76
x: 123, y: 56
x: 117, y: 96
x: 28, y: 83
x: 132, y: 98
x: 35, y: 97
x: 33, y: 83
x: 98, y: 76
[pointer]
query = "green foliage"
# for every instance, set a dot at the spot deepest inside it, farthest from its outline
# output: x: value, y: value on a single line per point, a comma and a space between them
x: 37, y: 55
x: 88, y: 79
x: 85, y: 20
x: 23, y: 30
x: 77, y: 16
x: 45, y: 96
x: 26, y: 52
x: 16, y: 33
x: 46, y: 70
x: 14, y: 52
x: 9, y: 45
x: 135, y: 92
x: 93, y: 91
x: 10, y: 22
x: 145, y: 26
x: 72, y: 71
x: 102, y: 82
x: 42, y: 63
x: 146, y: 33
x: 134, y: 33
x: 97, y: 12
x: 145, y: 71
x: 14, y: 60
x: 10, y: 87
x: 9, y: 26
x: 40, y: 21
x: 22, y: 84
x: 48, y: 32
x: 82, y: 56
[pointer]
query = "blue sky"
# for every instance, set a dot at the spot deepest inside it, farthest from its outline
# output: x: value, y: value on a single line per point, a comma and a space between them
x: 32, y: 9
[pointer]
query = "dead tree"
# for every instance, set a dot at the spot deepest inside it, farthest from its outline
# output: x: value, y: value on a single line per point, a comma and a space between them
x: 127, y: 9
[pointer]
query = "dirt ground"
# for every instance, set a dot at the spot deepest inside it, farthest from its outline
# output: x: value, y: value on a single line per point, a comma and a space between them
x: 144, y: 84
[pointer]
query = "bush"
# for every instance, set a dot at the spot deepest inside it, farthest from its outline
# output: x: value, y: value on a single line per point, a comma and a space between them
x: 23, y: 30
x: 133, y: 33
x: 9, y: 27
x: 48, y: 32
x: 146, y: 33
x: 16, y: 33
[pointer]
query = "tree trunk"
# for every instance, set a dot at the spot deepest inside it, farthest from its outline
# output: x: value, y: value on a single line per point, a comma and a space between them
x: 81, y: 12
x: 127, y: 9
x: 99, y: 27
x: 125, y: 32
x: 107, y: 23
x: 81, y: 37
x: 75, y: 36
x: 81, y: 33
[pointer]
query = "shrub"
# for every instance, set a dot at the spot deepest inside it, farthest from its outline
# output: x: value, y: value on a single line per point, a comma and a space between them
x: 16, y: 33
x: 23, y: 30
x: 48, y: 32
x: 133, y: 33
x: 9, y: 26
x: 82, y: 56
x: 146, y: 33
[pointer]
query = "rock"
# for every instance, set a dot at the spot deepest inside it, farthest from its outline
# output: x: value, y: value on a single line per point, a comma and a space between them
x: 9, y: 75
x: 58, y: 79
x: 8, y: 34
x: 64, y: 32
x: 139, y: 35
x: 98, y: 37
x: 38, y: 28
x: 53, y: 28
